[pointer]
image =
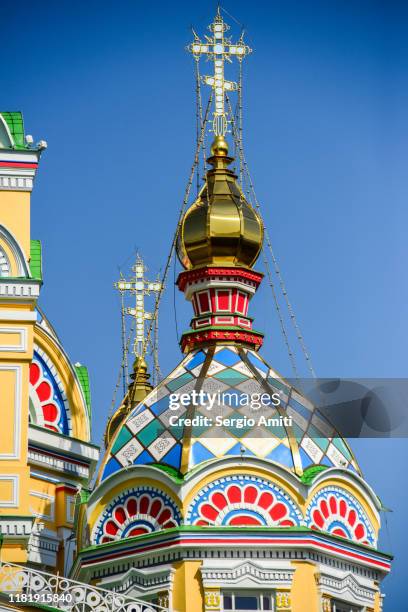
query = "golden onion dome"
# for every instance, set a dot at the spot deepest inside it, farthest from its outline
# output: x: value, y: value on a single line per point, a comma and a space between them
x: 138, y: 389
x: 221, y: 227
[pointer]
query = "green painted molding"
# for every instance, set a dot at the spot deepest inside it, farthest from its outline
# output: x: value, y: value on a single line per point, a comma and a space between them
x: 83, y: 377
x: 36, y: 260
x: 15, y: 124
x: 311, y: 472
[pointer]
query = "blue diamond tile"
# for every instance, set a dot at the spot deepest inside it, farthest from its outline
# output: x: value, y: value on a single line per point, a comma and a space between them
x: 300, y: 409
x: 326, y: 461
x: 306, y: 460
x: 173, y: 457
x: 257, y: 362
x: 199, y: 453
x: 281, y: 454
x: 144, y: 458
x: 158, y: 407
x: 227, y: 357
x: 195, y: 361
x: 236, y: 450
x: 112, y: 466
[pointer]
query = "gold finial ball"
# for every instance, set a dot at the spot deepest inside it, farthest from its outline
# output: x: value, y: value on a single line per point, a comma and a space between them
x: 221, y: 228
x: 219, y: 146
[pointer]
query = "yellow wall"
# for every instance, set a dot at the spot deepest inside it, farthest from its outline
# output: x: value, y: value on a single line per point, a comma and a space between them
x: 304, y: 592
x: 188, y: 594
x: 14, y: 377
x: 15, y: 216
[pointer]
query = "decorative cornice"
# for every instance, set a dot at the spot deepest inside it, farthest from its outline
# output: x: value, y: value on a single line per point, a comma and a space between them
x: 148, y: 579
x: 16, y: 526
x: 192, y: 276
x: 17, y: 170
x: 54, y: 461
x: 272, y: 541
x: 40, y: 437
x: 16, y: 182
x: 19, y: 289
x: 337, y: 586
x: 259, y: 574
x: 191, y: 340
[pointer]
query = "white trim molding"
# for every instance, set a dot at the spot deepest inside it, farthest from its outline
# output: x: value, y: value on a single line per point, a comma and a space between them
x: 13, y: 315
x: 14, y: 501
x: 16, y: 181
x: 347, y: 587
x: 19, y: 290
x: 247, y: 574
x: 15, y: 454
x: 142, y: 583
x: 14, y: 348
x: 16, y: 526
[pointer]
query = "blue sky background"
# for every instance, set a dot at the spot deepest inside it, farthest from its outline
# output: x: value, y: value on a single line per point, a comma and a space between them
x: 110, y: 88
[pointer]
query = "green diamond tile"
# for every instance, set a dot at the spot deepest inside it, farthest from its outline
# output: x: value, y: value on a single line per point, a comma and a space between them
x: 297, y: 431
x: 150, y: 432
x: 339, y: 444
x: 275, y: 382
x: 230, y: 376
x: 124, y: 436
x: 175, y: 384
x: 318, y: 437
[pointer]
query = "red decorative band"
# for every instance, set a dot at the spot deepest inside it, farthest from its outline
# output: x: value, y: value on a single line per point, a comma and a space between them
x: 176, y: 540
x: 67, y: 489
x: 190, y: 276
x: 18, y: 164
x: 191, y: 340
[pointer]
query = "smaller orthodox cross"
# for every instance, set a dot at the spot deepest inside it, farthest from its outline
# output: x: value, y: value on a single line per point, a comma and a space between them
x: 140, y: 287
x: 219, y: 49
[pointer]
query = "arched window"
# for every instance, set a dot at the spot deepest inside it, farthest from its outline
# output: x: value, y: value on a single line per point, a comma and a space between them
x: 4, y: 264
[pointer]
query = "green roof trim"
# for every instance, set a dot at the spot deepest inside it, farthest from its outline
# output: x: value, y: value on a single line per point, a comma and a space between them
x: 83, y: 377
x: 36, y: 259
x: 228, y: 529
x: 173, y: 473
x: 311, y: 472
x: 15, y: 124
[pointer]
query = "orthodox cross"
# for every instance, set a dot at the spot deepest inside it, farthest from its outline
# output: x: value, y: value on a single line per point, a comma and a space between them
x: 138, y: 286
x: 219, y: 49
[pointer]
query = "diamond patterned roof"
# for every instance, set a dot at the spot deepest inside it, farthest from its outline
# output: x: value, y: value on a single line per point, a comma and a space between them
x: 150, y: 435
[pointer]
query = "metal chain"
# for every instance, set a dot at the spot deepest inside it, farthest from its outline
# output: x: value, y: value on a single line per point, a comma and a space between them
x: 173, y: 245
x: 199, y: 121
x: 241, y: 165
x: 180, y: 218
x: 274, y: 260
x: 157, y: 374
x: 125, y: 370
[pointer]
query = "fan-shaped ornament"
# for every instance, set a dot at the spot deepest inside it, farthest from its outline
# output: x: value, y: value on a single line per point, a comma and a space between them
x: 139, y: 512
x: 339, y: 513
x: 243, y: 501
x: 47, y: 407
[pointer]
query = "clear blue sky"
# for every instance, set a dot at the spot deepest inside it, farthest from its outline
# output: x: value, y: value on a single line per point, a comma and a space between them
x: 110, y: 88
